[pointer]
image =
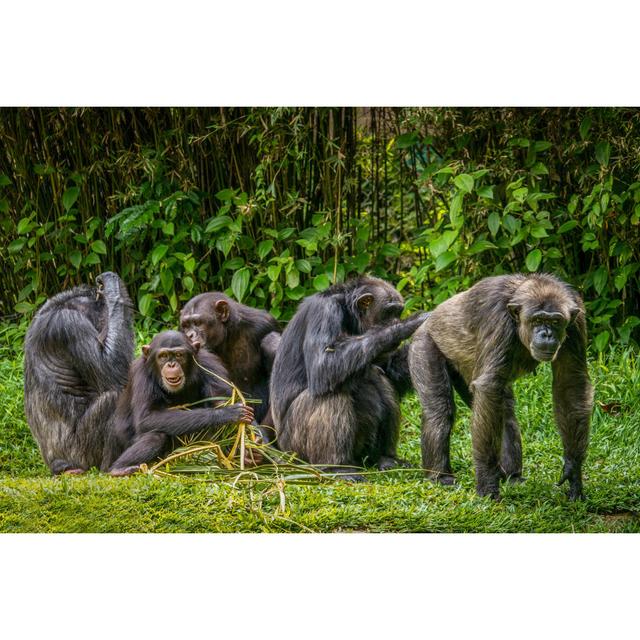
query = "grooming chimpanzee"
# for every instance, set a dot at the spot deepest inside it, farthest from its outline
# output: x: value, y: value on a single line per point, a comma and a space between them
x: 479, y: 342
x: 244, y: 338
x: 77, y: 354
x: 332, y: 401
x: 166, y: 376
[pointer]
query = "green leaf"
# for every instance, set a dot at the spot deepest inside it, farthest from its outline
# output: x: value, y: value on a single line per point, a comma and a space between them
x: 533, y: 259
x: 303, y: 265
x: 99, y: 247
x: 601, y: 340
x: 4, y: 205
x: 24, y: 226
x: 158, y: 253
x: 520, y: 194
x: 539, y: 169
x: 75, y: 258
x: 233, y: 264
x: 485, y: 192
x: 567, y: 226
x: 538, y: 231
x: 166, y: 280
x: 264, y: 248
x: 602, y: 153
x: 600, y: 278
x: 220, y: 222
x: 273, y: 272
x: 4, y: 180
x: 190, y: 264
x: 16, y: 245
x: 585, y: 125
x: 406, y: 140
x: 293, y: 278
x: 542, y: 145
x: 464, y: 182
x: 445, y: 260
x: 92, y: 258
x: 225, y: 195
x: 620, y: 281
x: 144, y: 304
x: 240, y: 283
x: 480, y: 245
x: 321, y: 282
x: 455, y: 209
x: 69, y: 197
x: 494, y: 223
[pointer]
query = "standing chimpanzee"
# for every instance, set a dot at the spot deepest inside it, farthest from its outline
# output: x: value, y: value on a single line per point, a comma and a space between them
x: 479, y: 342
x: 332, y: 401
x: 77, y: 354
x: 166, y: 376
x: 244, y: 338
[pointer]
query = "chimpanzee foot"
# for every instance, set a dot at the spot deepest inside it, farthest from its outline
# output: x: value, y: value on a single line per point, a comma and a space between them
x: 516, y: 478
x: 572, y: 473
x: 489, y: 492
x: 124, y: 471
x: 388, y: 462
x: 447, y: 479
x: 73, y: 472
x: 347, y: 474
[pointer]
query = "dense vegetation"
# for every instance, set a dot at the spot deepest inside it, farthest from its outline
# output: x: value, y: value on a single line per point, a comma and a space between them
x: 273, y: 204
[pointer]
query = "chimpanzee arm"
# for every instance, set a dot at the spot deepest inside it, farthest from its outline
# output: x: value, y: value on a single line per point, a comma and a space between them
x: 331, y: 356
x: 572, y: 403
x: 116, y: 337
x: 177, y: 422
x: 396, y: 368
x: 269, y: 345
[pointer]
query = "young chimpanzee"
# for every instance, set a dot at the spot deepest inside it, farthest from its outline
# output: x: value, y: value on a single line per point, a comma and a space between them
x: 478, y: 342
x: 332, y: 400
x: 245, y: 339
x: 165, y: 377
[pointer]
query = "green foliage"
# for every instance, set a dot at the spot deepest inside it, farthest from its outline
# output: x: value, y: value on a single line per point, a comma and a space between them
x: 271, y: 205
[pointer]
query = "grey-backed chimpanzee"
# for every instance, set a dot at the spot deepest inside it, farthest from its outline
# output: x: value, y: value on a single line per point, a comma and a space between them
x: 332, y: 402
x: 164, y: 377
x: 244, y: 338
x: 77, y: 354
x: 478, y: 342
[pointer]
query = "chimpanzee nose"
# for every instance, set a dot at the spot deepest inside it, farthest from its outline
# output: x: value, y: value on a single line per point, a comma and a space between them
x: 172, y: 365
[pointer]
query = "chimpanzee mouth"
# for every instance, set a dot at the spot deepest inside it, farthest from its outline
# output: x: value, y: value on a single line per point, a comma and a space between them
x: 174, y: 382
x: 543, y: 355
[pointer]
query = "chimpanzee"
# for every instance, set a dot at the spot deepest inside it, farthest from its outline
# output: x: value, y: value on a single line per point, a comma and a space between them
x: 77, y: 354
x: 332, y: 401
x: 244, y: 338
x: 167, y: 375
x: 481, y: 340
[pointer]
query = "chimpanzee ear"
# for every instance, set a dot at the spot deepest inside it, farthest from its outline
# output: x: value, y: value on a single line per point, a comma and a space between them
x: 222, y: 310
x: 514, y: 309
x: 573, y: 313
x: 364, y: 301
x: 145, y: 351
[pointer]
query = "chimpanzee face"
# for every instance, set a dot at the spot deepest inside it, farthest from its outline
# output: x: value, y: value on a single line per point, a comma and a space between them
x: 379, y: 306
x: 543, y: 331
x: 170, y: 357
x: 204, y: 322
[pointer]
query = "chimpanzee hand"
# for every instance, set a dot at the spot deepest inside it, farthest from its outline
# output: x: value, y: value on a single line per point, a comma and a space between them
x: 235, y: 413
x: 108, y: 285
x: 411, y: 324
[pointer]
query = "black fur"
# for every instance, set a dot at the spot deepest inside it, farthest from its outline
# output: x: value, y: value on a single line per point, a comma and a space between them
x: 77, y: 353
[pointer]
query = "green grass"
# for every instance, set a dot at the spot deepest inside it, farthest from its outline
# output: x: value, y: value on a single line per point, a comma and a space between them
x: 32, y: 501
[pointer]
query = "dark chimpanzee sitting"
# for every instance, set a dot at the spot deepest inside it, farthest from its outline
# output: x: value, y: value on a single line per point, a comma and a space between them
x: 167, y: 376
x: 479, y: 342
x: 244, y: 338
x: 332, y: 402
x: 77, y: 354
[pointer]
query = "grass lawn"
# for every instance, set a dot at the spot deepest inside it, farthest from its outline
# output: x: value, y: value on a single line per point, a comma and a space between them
x: 400, y: 501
